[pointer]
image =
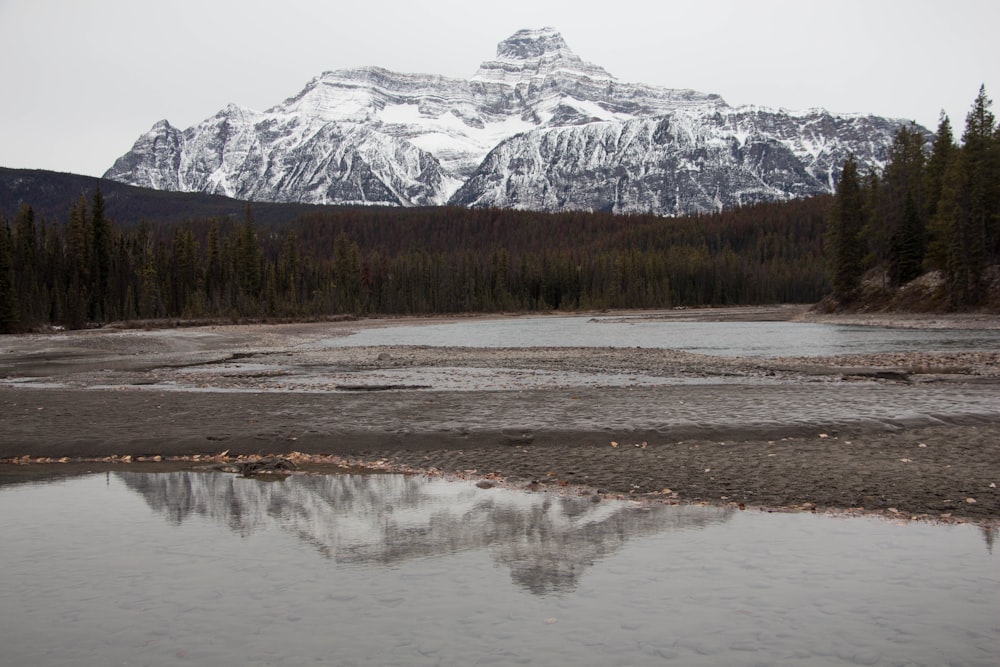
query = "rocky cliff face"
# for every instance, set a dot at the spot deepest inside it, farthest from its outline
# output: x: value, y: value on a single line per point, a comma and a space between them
x: 687, y: 161
x: 535, y: 128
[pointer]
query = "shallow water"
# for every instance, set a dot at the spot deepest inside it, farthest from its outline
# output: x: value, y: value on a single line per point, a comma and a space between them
x: 740, y: 339
x: 207, y: 568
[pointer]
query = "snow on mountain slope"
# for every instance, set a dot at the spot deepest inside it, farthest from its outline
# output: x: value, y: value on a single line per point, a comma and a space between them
x: 687, y: 161
x: 537, y: 127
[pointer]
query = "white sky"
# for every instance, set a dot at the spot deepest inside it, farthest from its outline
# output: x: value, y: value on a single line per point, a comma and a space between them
x: 82, y: 79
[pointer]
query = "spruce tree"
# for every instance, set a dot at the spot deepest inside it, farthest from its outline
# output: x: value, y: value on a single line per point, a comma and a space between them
x: 149, y: 291
x: 943, y: 154
x: 875, y: 235
x: 347, y: 275
x: 901, y: 213
x: 846, y: 227
x: 952, y: 215
x: 78, y: 249
x: 28, y: 269
x: 101, y: 258
x: 213, y: 268
x: 974, y: 226
x: 908, y: 248
x: 249, y: 261
x: 9, y: 315
x: 289, y: 268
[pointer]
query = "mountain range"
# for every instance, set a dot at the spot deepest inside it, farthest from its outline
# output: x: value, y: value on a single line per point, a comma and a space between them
x: 536, y: 128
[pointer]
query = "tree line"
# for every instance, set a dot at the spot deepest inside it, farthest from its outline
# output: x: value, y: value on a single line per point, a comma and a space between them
x: 932, y: 208
x: 87, y: 269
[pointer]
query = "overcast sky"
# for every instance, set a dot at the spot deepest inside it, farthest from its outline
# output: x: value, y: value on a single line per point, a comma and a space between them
x: 82, y: 79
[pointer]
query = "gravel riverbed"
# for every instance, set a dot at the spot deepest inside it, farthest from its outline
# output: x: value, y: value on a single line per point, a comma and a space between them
x: 904, y: 433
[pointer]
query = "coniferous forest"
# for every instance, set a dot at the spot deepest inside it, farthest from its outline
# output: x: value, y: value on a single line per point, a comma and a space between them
x: 87, y: 269
x: 933, y: 211
x: 935, y: 207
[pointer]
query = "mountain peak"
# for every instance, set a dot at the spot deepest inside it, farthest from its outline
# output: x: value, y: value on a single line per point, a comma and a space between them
x: 528, y: 54
x: 528, y: 44
x: 538, y: 127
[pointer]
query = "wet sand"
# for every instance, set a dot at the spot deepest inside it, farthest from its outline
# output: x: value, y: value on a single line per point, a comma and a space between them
x: 905, y: 434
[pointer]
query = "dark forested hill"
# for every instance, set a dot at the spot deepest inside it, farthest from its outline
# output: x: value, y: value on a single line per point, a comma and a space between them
x: 51, y: 194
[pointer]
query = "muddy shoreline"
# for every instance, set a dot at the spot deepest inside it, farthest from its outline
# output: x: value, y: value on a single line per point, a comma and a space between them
x: 907, y: 434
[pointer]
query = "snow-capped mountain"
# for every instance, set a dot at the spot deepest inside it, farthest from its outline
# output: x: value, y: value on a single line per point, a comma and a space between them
x: 535, y: 128
x: 686, y: 161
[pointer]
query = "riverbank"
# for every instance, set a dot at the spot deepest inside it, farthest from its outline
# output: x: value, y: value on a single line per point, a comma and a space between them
x: 913, y: 434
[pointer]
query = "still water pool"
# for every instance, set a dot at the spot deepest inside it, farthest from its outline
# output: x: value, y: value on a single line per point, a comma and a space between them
x: 742, y: 339
x: 210, y: 569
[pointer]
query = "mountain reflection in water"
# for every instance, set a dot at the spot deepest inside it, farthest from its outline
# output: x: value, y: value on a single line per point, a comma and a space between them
x: 546, y: 540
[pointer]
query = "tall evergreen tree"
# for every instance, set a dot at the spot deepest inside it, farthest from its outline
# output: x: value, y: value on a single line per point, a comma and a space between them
x: 248, y: 261
x: 213, y: 268
x: 845, y: 233
x: 876, y: 235
x: 908, y: 245
x: 9, y: 315
x: 78, y: 264
x: 149, y: 291
x: 289, y: 270
x: 974, y: 206
x: 901, y: 211
x: 943, y: 154
x: 101, y: 258
x: 28, y: 268
x: 347, y: 274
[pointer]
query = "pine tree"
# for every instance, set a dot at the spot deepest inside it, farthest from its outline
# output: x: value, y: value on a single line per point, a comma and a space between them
x: 845, y: 234
x: 149, y: 291
x: 901, y: 212
x: 213, y: 268
x: 184, y: 268
x: 101, y: 258
x: 875, y: 235
x: 53, y: 274
x: 9, y: 315
x: 248, y: 259
x: 289, y: 269
x: 28, y: 269
x: 78, y: 250
x: 943, y: 153
x: 972, y: 213
x: 347, y: 274
x: 908, y: 250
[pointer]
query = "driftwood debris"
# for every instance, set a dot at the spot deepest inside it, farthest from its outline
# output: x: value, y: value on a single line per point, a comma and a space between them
x: 379, y: 387
x: 268, y: 464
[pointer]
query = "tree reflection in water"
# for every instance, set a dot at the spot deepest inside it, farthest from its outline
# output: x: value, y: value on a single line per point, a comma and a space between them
x: 546, y: 540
